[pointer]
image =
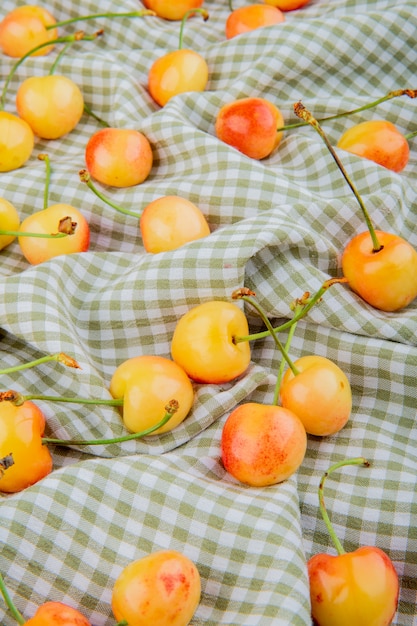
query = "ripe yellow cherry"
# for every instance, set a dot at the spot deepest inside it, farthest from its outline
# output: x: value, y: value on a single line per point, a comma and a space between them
x: 37, y: 250
x: 177, y: 72
x: 170, y: 10
x: 24, y: 28
x: 9, y: 220
x: 147, y: 383
x: 386, y: 279
x: 379, y: 141
x: 52, y: 105
x: 262, y: 444
x: 16, y: 142
x: 161, y: 589
x: 320, y: 395
x: 169, y: 222
x: 252, y: 17
x: 203, y: 342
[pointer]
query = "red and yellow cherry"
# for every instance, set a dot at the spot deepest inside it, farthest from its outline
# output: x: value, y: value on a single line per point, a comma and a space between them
x: 169, y: 10
x: 56, y: 218
x: 380, y: 267
x: 319, y: 394
x: 9, y: 220
x: 262, y: 444
x: 161, y: 588
x: 25, y: 28
x: 359, y: 587
x: 287, y: 5
x: 170, y: 222
x: 21, y: 430
x: 16, y: 142
x: 386, y: 279
x: 203, y: 342
x: 57, y: 614
x: 379, y: 141
x: 52, y: 105
x: 251, y: 17
x: 146, y: 384
x: 179, y: 71
x: 119, y: 157
x: 250, y: 125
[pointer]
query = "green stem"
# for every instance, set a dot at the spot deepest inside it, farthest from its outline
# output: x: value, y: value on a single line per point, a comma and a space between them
x: 410, y: 135
x: 230, y: 5
x: 59, y: 57
x: 60, y: 357
x: 20, y: 233
x: 69, y: 38
x: 10, y: 604
x: 302, y: 112
x: 411, y: 93
x: 143, y: 13
x: 45, y: 157
x: 88, y: 110
x: 170, y: 409
x: 123, y: 623
x: 311, y: 302
x: 282, y: 364
x: 356, y: 461
x: 203, y: 12
x: 86, y: 178
x: 248, y: 298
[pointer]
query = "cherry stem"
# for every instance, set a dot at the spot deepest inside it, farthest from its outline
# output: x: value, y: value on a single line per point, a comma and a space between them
x: 10, y: 604
x: 17, y: 399
x: 88, y: 110
x: 356, y: 461
x: 297, y: 309
x: 60, y: 357
x: 303, y: 113
x: 86, y: 178
x: 203, y: 12
x: 143, y: 13
x: 59, y: 57
x: 411, y: 93
x: 69, y: 38
x: 247, y: 296
x: 20, y: 233
x: 230, y: 5
x: 299, y: 315
x: 411, y: 135
x: 45, y: 157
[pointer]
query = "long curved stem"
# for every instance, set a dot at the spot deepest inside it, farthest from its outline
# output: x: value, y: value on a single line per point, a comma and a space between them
x: 67, y: 39
x: 203, y: 12
x: 21, y: 233
x: 60, y: 357
x: 411, y: 93
x: 46, y: 159
x: 71, y: 20
x: 302, y: 112
x: 10, y: 604
x: 86, y: 178
x: 356, y: 461
x: 287, y: 349
x: 297, y: 317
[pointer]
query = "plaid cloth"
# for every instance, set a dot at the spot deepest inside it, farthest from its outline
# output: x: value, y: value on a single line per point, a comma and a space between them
x: 278, y: 227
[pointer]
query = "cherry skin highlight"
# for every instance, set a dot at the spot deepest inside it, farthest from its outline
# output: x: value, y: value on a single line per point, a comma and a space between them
x: 250, y: 125
x: 52, y: 105
x: 24, y: 28
x: 251, y: 17
x: 170, y: 10
x: 170, y: 222
x: 162, y: 588
x: 386, y: 279
x: 262, y: 444
x: 119, y: 157
x: 16, y: 142
x: 177, y: 72
x: 379, y: 141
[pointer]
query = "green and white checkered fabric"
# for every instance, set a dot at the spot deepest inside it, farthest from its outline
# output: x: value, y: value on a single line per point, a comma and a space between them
x: 278, y: 227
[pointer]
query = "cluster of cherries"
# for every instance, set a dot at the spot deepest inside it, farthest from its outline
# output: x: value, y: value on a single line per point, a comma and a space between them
x: 261, y: 444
